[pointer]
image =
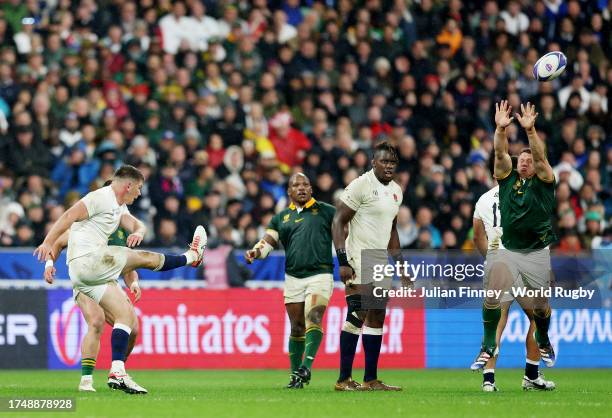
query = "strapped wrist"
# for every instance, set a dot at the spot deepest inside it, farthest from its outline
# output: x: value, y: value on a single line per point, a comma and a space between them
x: 342, y: 258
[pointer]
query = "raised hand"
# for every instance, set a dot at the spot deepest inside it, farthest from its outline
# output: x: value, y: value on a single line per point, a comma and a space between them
x: 502, y: 114
x: 528, y: 117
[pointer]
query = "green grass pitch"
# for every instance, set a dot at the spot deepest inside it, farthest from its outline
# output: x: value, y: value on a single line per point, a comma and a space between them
x: 427, y: 393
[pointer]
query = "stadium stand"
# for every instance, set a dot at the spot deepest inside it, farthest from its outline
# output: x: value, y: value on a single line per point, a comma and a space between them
x: 217, y: 102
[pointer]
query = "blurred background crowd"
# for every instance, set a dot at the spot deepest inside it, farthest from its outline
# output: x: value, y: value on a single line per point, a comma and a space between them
x: 218, y: 102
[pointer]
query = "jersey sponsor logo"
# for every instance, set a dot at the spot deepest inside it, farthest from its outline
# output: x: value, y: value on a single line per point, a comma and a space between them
x: 67, y: 328
x: 299, y: 220
x: 315, y: 212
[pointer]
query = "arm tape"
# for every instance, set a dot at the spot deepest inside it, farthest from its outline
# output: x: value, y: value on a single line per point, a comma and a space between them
x: 264, y: 248
x: 49, y: 263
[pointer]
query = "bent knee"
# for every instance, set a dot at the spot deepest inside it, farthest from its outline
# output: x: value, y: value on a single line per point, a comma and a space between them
x: 315, y: 316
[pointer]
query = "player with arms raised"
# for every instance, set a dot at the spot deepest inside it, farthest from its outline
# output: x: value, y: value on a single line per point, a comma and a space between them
x: 304, y: 229
x: 94, y: 266
x: 527, y: 201
x: 487, y: 237
x: 369, y: 206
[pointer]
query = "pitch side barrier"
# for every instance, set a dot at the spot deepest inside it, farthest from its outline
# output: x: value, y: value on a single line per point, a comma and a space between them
x: 188, y: 324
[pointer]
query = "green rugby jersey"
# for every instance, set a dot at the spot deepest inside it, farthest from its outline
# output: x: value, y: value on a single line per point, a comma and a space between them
x: 306, y: 237
x: 118, y: 238
x: 526, y: 208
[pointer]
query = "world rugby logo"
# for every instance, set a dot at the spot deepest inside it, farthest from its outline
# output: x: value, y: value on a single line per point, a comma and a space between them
x: 67, y: 328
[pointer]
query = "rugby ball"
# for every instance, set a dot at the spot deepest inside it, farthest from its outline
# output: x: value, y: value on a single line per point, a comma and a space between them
x: 550, y: 66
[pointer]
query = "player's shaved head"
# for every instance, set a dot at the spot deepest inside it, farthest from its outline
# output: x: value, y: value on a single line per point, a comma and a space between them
x: 299, y: 189
x: 295, y: 176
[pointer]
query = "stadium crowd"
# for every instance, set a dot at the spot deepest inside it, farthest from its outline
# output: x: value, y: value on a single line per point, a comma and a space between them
x: 217, y: 102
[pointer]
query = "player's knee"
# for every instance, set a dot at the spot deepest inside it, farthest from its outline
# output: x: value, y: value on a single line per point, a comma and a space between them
x: 298, y: 330
x: 96, y: 324
x: 375, y: 318
x: 151, y: 260
x: 541, y: 311
x: 492, y: 301
x: 355, y: 314
x: 315, y: 315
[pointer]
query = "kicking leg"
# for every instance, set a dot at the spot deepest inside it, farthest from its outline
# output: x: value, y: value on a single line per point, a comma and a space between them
x: 161, y: 262
x: 90, y: 346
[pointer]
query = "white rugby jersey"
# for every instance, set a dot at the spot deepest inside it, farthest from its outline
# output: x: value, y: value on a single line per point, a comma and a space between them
x: 104, y: 218
x: 376, y: 206
x: 487, y: 210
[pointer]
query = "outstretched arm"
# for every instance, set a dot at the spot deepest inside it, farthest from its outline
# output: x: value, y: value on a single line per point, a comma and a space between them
x: 503, y: 162
x: 538, y: 150
x: 76, y: 213
x: 263, y: 247
x: 56, y: 249
x: 343, y: 216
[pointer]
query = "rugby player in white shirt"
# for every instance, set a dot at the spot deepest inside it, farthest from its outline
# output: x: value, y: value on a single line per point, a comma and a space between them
x: 369, y: 207
x: 94, y: 266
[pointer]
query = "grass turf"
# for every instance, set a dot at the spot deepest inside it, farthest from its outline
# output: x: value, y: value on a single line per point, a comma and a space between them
x: 435, y: 393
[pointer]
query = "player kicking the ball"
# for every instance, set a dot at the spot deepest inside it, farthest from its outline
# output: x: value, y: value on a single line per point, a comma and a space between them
x: 487, y: 236
x: 94, y: 266
x: 527, y: 201
x: 369, y: 207
x: 304, y: 229
x: 94, y: 315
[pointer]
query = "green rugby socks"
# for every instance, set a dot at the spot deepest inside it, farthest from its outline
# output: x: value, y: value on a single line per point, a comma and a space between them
x: 314, y: 335
x: 490, y: 319
x: 296, y: 352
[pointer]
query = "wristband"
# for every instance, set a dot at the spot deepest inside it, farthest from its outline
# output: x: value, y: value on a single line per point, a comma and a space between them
x: 48, y: 264
x: 342, y: 259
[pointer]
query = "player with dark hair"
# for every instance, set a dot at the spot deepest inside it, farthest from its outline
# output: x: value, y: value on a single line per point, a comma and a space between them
x: 369, y: 207
x: 94, y: 315
x: 304, y: 229
x: 94, y: 266
x: 527, y: 201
